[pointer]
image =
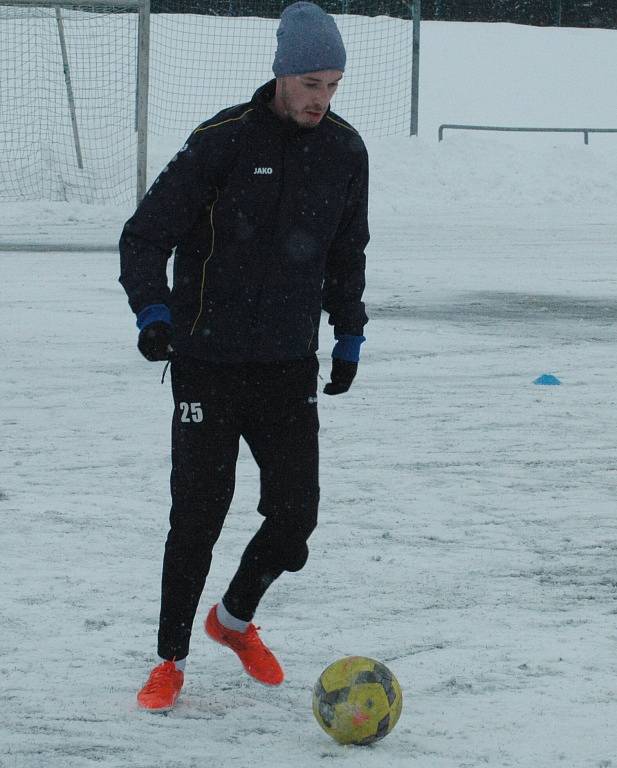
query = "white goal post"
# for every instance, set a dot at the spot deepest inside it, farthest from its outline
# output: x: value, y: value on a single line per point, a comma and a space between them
x: 73, y: 99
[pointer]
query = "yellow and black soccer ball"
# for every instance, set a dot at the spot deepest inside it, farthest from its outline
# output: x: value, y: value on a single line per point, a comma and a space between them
x: 357, y: 700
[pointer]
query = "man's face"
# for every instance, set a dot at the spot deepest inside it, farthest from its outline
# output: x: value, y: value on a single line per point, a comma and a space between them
x: 305, y: 98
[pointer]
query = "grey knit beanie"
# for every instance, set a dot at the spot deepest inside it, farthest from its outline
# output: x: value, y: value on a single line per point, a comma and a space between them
x: 308, y: 41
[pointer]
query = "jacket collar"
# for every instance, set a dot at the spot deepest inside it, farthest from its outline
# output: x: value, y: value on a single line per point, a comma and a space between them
x: 261, y: 99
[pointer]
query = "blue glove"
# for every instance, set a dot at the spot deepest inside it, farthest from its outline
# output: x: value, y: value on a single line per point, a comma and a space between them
x: 345, y: 358
x: 154, y: 323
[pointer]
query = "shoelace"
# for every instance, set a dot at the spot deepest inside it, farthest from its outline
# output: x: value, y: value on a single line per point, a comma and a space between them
x: 256, y: 641
x: 246, y: 639
x: 155, y: 678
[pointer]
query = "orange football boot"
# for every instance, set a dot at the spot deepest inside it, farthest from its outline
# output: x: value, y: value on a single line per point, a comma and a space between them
x: 257, y: 659
x: 162, y: 688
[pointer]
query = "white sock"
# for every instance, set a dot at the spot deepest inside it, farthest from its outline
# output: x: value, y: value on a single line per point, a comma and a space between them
x: 229, y: 621
x: 180, y: 663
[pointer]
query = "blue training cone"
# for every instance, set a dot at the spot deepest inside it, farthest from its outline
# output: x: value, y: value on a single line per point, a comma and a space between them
x: 547, y: 379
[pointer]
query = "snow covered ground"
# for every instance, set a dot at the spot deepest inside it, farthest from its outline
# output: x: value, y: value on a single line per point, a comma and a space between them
x: 468, y: 532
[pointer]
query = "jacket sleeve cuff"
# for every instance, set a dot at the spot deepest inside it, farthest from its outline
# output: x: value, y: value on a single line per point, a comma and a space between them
x: 155, y: 313
x: 347, y: 347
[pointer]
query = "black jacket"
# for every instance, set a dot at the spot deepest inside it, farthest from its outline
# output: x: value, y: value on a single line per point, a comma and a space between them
x: 269, y: 222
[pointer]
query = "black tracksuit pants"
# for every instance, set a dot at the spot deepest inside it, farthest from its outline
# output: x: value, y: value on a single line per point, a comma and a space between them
x: 273, y: 406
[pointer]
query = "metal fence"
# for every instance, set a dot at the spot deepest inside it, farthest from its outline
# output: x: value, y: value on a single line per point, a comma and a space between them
x: 584, y: 131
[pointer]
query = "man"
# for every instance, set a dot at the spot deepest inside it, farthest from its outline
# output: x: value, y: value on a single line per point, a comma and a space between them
x: 266, y: 205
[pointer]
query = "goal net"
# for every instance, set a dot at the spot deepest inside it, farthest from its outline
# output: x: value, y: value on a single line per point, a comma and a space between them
x: 77, y: 82
x: 208, y: 56
x: 68, y: 100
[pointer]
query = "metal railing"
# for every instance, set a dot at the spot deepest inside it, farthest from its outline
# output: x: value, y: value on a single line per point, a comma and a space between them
x: 584, y: 131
